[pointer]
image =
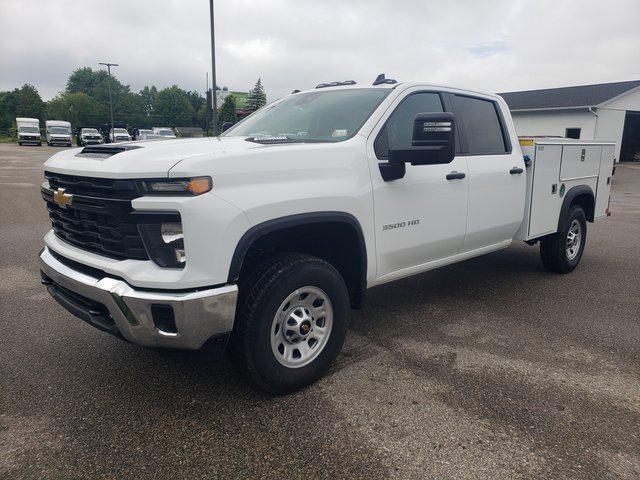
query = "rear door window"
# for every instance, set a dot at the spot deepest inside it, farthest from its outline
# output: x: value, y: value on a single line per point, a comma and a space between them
x: 481, y: 125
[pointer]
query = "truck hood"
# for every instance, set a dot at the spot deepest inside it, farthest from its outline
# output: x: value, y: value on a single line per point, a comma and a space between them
x: 142, y: 159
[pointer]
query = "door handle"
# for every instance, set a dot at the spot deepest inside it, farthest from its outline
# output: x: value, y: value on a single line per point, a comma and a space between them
x: 516, y: 170
x: 455, y: 175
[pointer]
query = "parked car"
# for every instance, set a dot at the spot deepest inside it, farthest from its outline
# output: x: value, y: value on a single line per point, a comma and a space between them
x: 58, y: 132
x: 146, y: 134
x: 119, y: 135
x: 263, y: 239
x: 88, y: 136
x: 165, y: 132
x: 28, y: 131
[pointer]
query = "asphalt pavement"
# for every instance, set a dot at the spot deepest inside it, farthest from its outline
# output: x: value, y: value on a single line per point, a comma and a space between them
x: 491, y: 368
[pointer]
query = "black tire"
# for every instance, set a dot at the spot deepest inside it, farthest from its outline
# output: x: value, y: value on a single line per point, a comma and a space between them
x: 553, y: 248
x: 260, y: 298
x: 39, y: 144
x: 20, y: 143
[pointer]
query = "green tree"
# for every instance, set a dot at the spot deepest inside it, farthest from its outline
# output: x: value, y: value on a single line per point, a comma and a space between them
x: 227, y: 111
x: 77, y: 108
x: 95, y: 83
x: 149, y: 95
x: 8, y: 106
x: 204, y: 117
x: 83, y: 80
x: 173, y: 107
x: 29, y: 103
x: 256, y: 97
x: 196, y: 99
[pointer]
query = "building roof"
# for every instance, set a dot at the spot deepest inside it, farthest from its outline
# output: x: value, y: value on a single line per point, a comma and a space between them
x: 567, y: 97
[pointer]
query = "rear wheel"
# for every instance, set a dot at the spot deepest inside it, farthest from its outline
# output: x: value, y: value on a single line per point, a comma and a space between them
x: 562, y: 251
x: 291, y: 322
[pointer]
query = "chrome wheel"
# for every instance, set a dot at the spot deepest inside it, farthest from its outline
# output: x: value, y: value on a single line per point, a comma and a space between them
x: 574, y: 239
x: 301, y: 327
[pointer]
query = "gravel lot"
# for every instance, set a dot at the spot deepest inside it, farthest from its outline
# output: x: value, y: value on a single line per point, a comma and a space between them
x: 491, y: 368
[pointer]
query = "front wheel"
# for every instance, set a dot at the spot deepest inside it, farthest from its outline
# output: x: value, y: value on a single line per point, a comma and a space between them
x: 562, y: 251
x: 291, y: 323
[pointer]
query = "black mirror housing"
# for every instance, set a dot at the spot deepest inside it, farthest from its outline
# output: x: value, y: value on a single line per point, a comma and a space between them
x: 226, y: 126
x: 433, y: 141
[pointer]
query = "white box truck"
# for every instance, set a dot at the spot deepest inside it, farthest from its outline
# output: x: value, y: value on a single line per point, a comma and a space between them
x: 58, y: 132
x: 262, y: 239
x: 28, y: 131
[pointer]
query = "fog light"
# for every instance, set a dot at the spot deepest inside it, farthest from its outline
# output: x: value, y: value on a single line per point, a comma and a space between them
x: 164, y: 243
x: 163, y: 319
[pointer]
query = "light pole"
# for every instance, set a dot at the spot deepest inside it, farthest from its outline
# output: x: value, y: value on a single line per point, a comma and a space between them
x: 206, y: 115
x: 213, y: 70
x: 109, y: 65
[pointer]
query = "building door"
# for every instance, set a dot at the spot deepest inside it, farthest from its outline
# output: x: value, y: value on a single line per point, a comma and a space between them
x: 630, y: 148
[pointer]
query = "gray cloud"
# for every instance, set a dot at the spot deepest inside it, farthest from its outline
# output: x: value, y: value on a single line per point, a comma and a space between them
x: 493, y: 46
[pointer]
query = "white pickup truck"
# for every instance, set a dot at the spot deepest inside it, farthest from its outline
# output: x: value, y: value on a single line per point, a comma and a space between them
x: 263, y: 238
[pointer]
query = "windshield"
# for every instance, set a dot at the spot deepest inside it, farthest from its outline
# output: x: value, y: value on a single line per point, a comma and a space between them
x: 324, y: 116
x: 145, y: 132
x: 89, y: 131
x: 29, y: 129
x: 60, y: 130
x: 166, y: 133
x: 120, y: 131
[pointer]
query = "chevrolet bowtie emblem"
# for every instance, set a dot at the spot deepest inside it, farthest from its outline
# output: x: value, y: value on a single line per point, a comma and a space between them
x: 61, y: 198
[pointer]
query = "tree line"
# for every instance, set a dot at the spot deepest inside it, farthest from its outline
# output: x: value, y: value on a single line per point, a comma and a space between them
x: 85, y: 101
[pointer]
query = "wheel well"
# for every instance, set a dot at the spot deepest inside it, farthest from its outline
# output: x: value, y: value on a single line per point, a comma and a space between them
x: 586, y: 202
x: 339, y: 243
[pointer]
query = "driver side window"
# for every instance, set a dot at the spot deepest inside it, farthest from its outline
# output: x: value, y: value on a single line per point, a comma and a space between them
x: 398, y: 130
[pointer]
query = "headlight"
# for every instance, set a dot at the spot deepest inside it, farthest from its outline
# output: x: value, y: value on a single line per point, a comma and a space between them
x: 164, y: 243
x: 176, y: 186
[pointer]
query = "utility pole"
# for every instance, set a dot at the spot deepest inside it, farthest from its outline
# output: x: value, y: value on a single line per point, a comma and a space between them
x: 109, y: 65
x: 213, y: 70
x: 206, y: 114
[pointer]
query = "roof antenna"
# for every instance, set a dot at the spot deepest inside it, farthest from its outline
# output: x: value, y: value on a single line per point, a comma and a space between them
x: 381, y: 80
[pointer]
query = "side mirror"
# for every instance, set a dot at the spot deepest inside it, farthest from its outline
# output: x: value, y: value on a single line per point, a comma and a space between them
x: 433, y: 141
x: 226, y: 126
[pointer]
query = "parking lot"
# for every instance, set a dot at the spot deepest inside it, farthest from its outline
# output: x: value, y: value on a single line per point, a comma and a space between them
x: 491, y: 368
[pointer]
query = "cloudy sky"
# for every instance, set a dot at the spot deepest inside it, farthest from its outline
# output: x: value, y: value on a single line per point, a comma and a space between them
x: 497, y: 45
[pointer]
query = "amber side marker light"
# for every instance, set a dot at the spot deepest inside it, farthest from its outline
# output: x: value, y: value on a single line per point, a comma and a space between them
x: 200, y: 185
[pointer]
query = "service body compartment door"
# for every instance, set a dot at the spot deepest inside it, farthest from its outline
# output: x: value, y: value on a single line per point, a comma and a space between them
x: 545, y: 201
x: 604, y: 181
x: 580, y: 161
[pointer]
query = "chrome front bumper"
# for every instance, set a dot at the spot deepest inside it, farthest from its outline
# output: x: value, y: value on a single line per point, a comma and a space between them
x: 114, y: 306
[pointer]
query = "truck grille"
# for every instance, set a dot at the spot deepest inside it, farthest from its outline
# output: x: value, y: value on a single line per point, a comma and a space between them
x: 94, y: 187
x: 100, y: 218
